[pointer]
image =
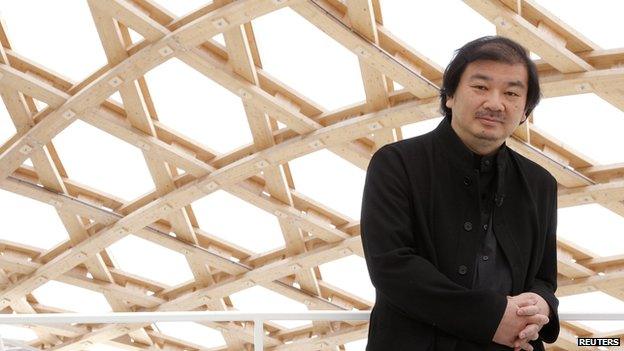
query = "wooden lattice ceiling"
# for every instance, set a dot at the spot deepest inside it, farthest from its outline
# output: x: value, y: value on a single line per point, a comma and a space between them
x: 258, y: 173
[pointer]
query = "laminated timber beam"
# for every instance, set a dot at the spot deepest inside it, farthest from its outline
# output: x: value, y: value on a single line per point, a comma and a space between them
x: 321, y: 15
x: 583, y: 181
x: 240, y: 58
x: 44, y: 159
x: 137, y: 103
x: 362, y: 16
x: 88, y: 99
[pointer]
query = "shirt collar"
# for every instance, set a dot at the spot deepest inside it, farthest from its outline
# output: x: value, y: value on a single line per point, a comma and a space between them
x: 484, y: 163
x: 456, y: 150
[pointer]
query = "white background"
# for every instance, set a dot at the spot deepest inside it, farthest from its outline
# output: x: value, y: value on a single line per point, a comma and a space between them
x: 61, y: 35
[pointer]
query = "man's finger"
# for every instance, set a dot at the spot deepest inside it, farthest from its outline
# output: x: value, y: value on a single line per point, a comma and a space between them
x: 538, y: 319
x: 528, y: 310
x: 522, y: 302
x: 522, y: 345
x: 530, y: 332
x: 526, y: 346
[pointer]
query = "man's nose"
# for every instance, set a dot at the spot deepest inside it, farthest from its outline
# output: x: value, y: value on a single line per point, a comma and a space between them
x: 494, y: 101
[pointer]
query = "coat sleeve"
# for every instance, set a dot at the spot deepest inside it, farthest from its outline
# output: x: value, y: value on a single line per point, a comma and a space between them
x: 411, y: 283
x: 545, y: 283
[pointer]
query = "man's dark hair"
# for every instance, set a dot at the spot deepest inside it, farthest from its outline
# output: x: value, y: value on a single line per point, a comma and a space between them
x: 494, y: 48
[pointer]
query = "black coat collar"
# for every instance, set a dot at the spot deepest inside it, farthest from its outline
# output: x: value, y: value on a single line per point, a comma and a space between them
x: 458, y: 153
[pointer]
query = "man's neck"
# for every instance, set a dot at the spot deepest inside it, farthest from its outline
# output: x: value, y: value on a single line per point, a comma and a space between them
x: 478, y: 146
x: 485, y: 149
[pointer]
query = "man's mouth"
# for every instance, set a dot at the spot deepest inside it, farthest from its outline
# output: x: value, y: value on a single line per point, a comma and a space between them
x: 490, y: 118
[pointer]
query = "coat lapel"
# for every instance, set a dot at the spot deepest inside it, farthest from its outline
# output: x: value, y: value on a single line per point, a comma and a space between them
x: 505, y: 238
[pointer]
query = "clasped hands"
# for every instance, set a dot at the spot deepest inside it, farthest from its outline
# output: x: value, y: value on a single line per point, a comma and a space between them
x: 524, y: 317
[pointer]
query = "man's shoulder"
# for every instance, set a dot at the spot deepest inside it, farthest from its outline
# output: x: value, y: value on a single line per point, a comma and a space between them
x: 410, y: 155
x: 534, y: 171
x: 410, y: 146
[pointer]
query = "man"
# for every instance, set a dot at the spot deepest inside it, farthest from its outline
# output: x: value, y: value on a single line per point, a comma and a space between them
x: 459, y: 230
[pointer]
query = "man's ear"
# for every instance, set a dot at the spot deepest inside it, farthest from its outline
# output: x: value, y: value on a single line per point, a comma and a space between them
x: 449, y: 102
x: 526, y: 117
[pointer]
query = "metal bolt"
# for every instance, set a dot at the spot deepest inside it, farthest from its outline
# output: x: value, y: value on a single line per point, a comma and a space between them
x: 375, y: 126
x: 346, y: 252
x: 211, y: 186
x: 361, y: 51
x: 165, y: 51
x: 244, y: 94
x: 25, y: 149
x: 115, y: 82
x: 220, y: 23
x: 143, y: 145
x: 261, y: 164
x: 316, y: 144
x: 69, y: 114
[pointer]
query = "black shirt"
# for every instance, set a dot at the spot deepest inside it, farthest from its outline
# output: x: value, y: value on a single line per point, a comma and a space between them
x: 492, y: 270
x: 491, y: 267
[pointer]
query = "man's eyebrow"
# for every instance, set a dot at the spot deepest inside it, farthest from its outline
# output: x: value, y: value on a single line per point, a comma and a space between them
x: 515, y: 83
x: 480, y: 76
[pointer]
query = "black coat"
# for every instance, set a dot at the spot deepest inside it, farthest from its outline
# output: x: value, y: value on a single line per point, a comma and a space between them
x: 419, y: 195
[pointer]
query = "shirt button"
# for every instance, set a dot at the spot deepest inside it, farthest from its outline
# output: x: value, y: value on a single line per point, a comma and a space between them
x: 462, y: 269
x: 485, y: 258
x: 485, y: 227
x: 468, y: 226
x: 487, y: 162
x: 467, y: 181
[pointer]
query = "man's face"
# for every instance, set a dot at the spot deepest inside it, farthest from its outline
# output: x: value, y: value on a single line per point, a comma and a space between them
x: 489, y: 101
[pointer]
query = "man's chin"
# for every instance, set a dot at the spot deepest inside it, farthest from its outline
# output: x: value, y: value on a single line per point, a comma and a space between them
x: 489, y: 137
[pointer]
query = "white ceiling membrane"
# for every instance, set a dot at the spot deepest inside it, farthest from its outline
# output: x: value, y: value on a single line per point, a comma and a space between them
x: 598, y: 22
x: 235, y: 104
x: 585, y: 117
x: 115, y: 167
x: 310, y: 62
x: 198, y: 108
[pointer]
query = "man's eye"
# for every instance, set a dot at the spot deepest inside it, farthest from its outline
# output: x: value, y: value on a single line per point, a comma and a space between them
x: 480, y: 87
x: 511, y: 93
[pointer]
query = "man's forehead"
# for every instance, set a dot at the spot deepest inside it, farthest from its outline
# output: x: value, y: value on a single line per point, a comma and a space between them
x: 510, y: 73
x: 507, y: 81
